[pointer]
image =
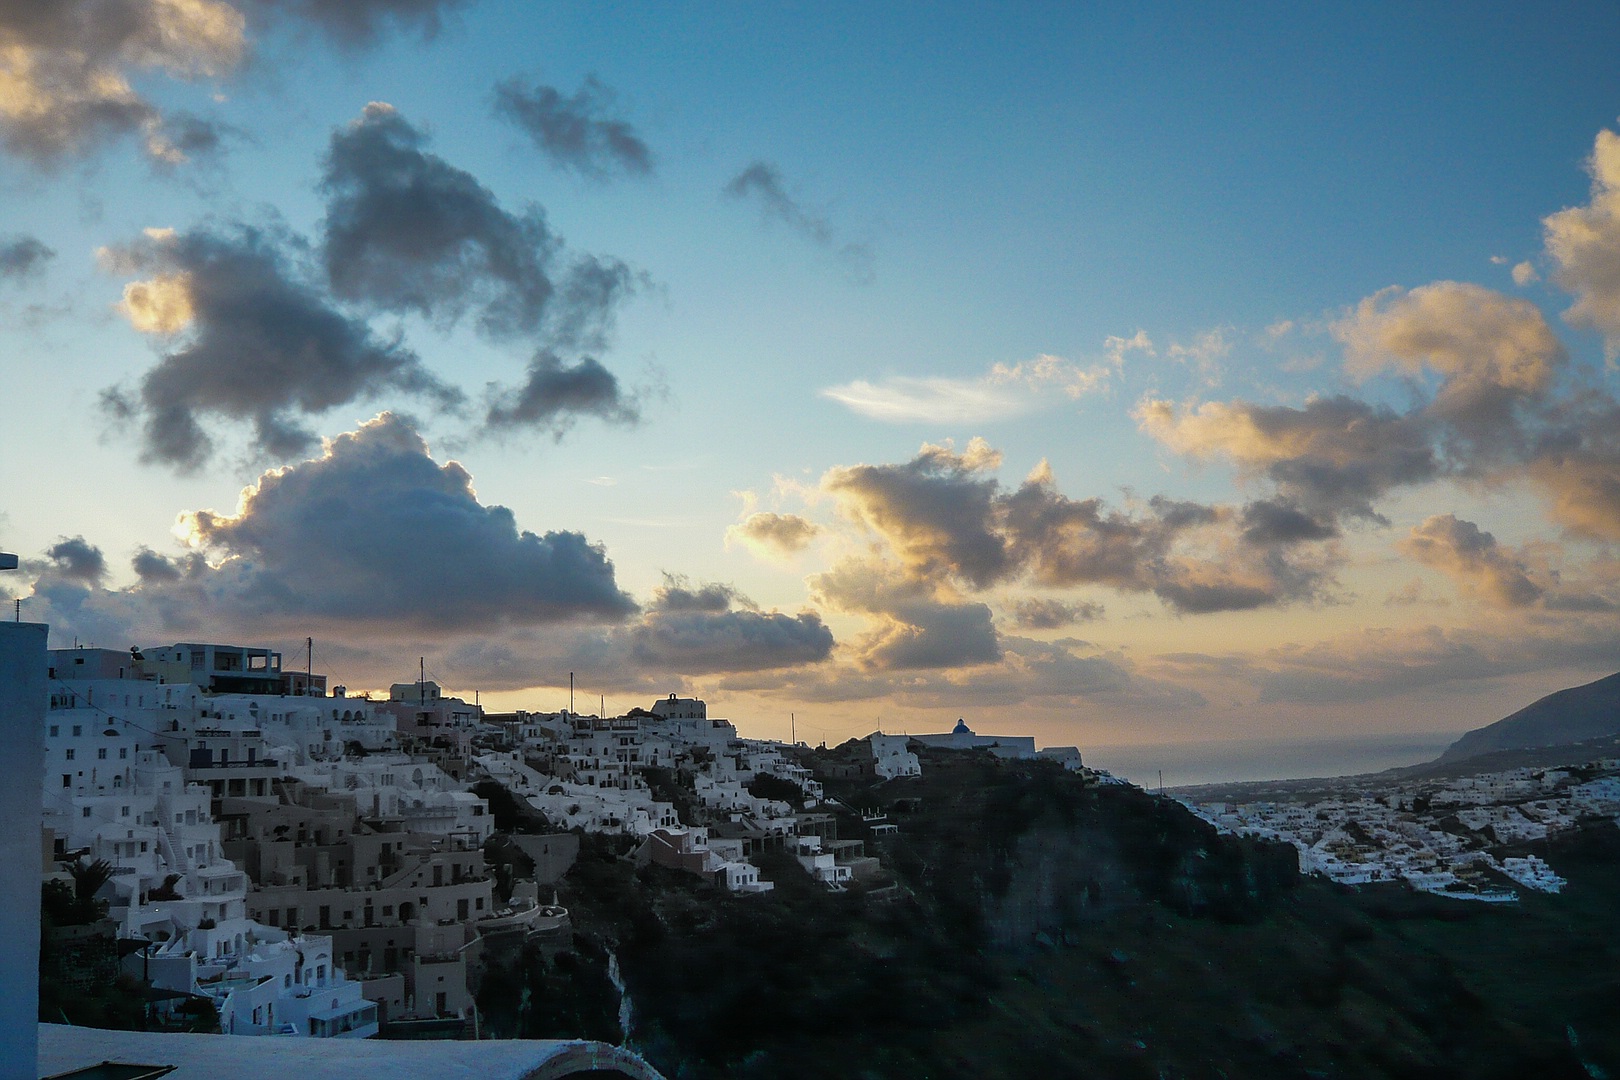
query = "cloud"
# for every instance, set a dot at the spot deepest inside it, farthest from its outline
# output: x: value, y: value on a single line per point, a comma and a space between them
x: 375, y: 534
x: 935, y: 511
x: 1380, y: 663
x: 252, y: 342
x: 1495, y: 354
x: 1525, y: 274
x: 917, y: 625
x: 1472, y: 558
x: 1036, y: 613
x: 575, y: 132
x: 1577, y: 466
x: 1008, y: 390
x: 75, y: 559
x: 1335, y: 456
x: 405, y: 231
x: 1270, y: 522
x: 1047, y: 372
x: 1584, y: 245
x: 555, y: 394
x: 935, y: 400
x: 712, y: 628
x: 65, y: 68
x: 761, y: 183
x: 1188, y: 554
x: 22, y: 257
x: 945, y: 517
x: 155, y: 569
x: 772, y: 534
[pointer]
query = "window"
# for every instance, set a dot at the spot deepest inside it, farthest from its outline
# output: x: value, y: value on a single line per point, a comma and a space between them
x: 70, y: 753
x: 56, y: 730
x: 123, y: 811
x: 101, y: 753
x: 78, y: 729
x: 85, y: 812
x: 67, y: 779
x: 123, y: 753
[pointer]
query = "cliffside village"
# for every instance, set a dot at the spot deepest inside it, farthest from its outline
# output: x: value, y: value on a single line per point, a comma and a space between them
x: 1448, y: 837
x: 311, y: 863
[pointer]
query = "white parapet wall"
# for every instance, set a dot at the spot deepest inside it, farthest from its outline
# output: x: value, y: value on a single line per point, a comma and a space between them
x: 22, y: 762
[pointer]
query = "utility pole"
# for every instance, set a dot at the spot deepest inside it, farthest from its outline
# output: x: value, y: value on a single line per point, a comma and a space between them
x: 309, y: 665
x: 570, y: 693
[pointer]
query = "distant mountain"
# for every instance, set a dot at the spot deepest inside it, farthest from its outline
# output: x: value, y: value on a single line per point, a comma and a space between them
x: 1568, y: 716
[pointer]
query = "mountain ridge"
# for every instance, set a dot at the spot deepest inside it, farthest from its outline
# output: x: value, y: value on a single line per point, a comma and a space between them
x: 1575, y: 714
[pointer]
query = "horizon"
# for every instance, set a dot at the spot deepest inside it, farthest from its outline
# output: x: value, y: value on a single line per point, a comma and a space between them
x: 1130, y: 378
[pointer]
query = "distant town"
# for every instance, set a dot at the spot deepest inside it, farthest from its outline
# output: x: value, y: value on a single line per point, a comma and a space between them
x: 1436, y: 836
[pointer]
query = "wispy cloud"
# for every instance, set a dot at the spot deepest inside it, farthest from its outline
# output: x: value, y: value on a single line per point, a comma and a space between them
x: 762, y: 184
x: 1005, y: 391
x: 901, y: 399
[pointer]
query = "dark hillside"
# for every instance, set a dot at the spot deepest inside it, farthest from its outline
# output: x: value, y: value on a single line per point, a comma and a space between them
x: 1045, y: 925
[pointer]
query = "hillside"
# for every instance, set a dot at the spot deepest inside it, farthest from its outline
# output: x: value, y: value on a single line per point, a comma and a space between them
x: 1575, y: 715
x: 1042, y: 924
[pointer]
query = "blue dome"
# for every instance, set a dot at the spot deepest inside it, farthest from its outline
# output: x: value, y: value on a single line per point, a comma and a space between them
x: 961, y: 728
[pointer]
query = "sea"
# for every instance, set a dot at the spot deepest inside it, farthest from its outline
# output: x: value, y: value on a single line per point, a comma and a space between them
x: 1228, y: 761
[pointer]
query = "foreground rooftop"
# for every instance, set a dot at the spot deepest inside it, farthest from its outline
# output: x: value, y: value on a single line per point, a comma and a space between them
x: 64, y: 1049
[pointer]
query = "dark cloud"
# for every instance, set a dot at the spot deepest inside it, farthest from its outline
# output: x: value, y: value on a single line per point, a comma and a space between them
x: 1037, y: 613
x: 761, y: 183
x: 254, y: 343
x: 76, y: 559
x: 936, y: 510
x: 678, y: 594
x: 155, y: 569
x: 915, y: 625
x: 575, y: 132
x: 1332, y: 458
x: 555, y: 394
x: 712, y: 628
x: 406, y: 231
x: 354, y: 23
x: 376, y: 533
x: 1268, y: 522
x: 22, y: 257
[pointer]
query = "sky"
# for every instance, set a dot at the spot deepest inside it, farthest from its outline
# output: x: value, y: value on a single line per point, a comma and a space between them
x: 1121, y: 374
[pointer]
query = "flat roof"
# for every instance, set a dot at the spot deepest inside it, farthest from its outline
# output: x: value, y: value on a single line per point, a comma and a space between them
x: 63, y: 1049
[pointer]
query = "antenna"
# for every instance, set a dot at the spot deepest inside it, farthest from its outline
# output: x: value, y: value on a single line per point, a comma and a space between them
x: 793, y: 729
x: 309, y: 665
x: 421, y: 680
x: 570, y: 692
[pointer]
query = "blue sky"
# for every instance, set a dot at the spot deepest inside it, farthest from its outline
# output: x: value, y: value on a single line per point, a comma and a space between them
x: 1111, y: 239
